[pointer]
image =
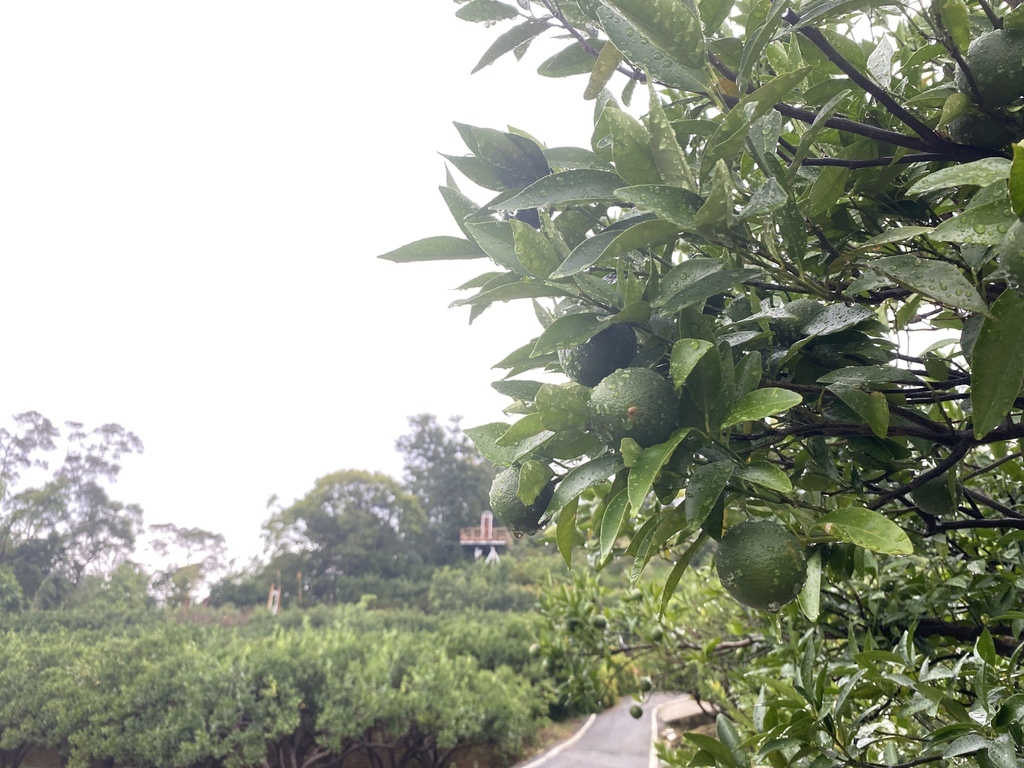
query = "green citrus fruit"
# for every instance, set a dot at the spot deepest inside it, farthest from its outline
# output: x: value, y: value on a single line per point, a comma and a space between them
x: 636, y: 711
x: 589, y: 362
x: 635, y: 403
x: 599, y: 622
x: 996, y: 61
x: 761, y: 564
x: 646, y: 685
x: 976, y: 129
x: 509, y: 508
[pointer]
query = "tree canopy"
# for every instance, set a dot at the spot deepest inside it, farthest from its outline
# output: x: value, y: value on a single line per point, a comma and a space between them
x: 809, y: 215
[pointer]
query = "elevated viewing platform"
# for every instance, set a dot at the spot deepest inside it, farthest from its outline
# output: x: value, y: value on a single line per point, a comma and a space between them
x: 486, y: 535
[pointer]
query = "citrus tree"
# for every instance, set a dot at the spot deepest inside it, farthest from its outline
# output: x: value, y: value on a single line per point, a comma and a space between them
x: 782, y: 288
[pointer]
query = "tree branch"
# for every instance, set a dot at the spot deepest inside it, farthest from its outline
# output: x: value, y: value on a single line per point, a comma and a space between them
x: 880, y: 94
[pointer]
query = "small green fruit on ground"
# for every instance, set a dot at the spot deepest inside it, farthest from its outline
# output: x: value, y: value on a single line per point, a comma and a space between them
x: 636, y: 711
x: 635, y: 403
x: 996, y: 61
x: 761, y: 564
x: 608, y: 351
x: 514, y: 515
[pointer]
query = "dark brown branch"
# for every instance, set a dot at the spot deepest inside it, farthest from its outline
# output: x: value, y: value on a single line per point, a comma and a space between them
x: 986, y: 522
x: 920, y: 157
x: 959, y: 451
x: 880, y: 94
x: 1004, y: 643
x: 992, y: 504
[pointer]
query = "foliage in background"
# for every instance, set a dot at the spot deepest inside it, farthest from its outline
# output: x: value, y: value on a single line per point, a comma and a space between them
x: 360, y: 685
x: 826, y: 267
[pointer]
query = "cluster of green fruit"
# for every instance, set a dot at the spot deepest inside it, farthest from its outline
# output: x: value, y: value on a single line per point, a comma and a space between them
x: 759, y: 562
x: 995, y: 62
x: 625, y: 402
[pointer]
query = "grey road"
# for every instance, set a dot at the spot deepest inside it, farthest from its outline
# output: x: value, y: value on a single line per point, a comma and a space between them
x: 613, y: 740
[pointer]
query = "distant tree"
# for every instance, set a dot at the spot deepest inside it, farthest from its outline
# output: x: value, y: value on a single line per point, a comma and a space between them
x: 192, y: 556
x: 53, y: 534
x: 449, y: 476
x: 352, y: 523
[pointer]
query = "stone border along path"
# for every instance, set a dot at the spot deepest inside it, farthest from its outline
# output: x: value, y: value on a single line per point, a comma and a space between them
x: 600, y: 747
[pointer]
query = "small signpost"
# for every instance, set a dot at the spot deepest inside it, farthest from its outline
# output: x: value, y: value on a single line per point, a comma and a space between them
x: 485, y: 536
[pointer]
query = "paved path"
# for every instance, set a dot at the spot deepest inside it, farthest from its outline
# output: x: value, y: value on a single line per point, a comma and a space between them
x: 612, y: 739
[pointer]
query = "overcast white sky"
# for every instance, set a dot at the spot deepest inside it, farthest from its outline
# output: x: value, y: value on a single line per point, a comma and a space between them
x: 192, y: 196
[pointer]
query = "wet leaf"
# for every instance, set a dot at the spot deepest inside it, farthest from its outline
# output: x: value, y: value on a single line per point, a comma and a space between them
x: 937, y: 280
x: 760, y: 404
x: 865, y: 528
x: 997, y: 363
x: 439, y: 248
x: 585, y: 185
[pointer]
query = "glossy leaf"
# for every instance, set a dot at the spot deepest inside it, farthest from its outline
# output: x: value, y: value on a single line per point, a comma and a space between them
x: 937, y: 280
x: 583, y: 477
x: 486, y: 10
x: 565, y: 530
x: 438, y: 248
x: 979, y: 173
x: 614, y: 520
x: 997, y: 363
x: 707, y: 483
x: 766, y: 475
x: 872, y: 407
x: 568, y: 331
x: 509, y: 41
x: 485, y: 438
x: 867, y: 529
x: 580, y: 186
x: 647, y: 466
x: 561, y: 407
x: 670, y: 25
x: 760, y: 404
x: 686, y: 353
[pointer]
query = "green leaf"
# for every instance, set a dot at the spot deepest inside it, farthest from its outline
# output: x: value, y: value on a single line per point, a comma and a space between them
x: 533, y: 478
x: 526, y: 427
x: 670, y: 25
x: 980, y: 173
x: 565, y: 530
x: 568, y: 331
x: 443, y: 247
x: 716, y: 213
x: 865, y: 528
x: 686, y: 353
x: 675, y: 205
x: 760, y: 404
x: 937, y: 280
x: 869, y: 374
x: 766, y: 475
x: 583, y: 477
x: 894, y: 235
x: 767, y: 198
x: 727, y: 141
x: 1011, y: 711
x: 534, y: 251
x: 705, y: 486
x: 640, y: 235
x: 520, y: 290
x: 982, y: 225
x: 677, y: 570
x: 836, y: 318
x: 509, y: 41
x: 585, y: 255
x: 871, y: 407
x: 668, y: 155
x: 561, y: 407
x: 965, y: 745
x: 644, y: 54
x: 1017, y: 181
x: 602, y: 70
x: 997, y: 363
x: 647, y: 466
x: 611, y: 524
x: 486, y: 10
x: 571, y: 60
x: 631, y: 148
x: 810, y: 594
x: 585, y: 185
x: 485, y: 438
